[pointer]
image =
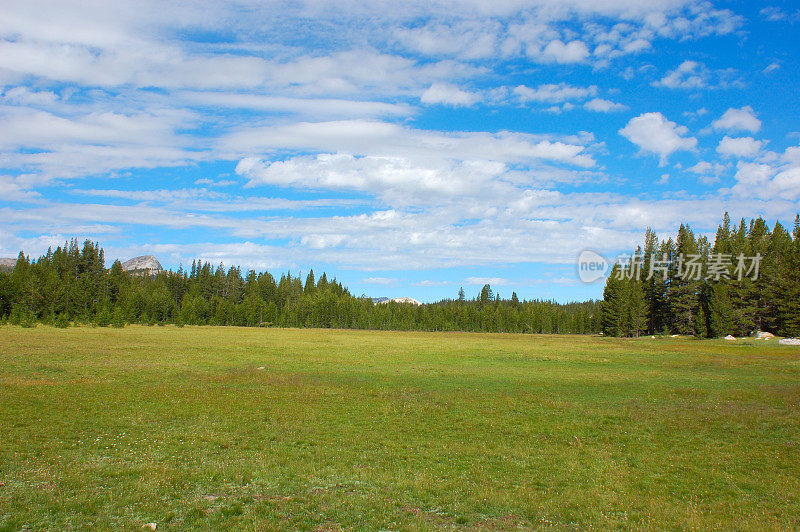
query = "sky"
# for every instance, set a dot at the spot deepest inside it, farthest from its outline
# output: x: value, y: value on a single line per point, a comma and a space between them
x: 406, y: 147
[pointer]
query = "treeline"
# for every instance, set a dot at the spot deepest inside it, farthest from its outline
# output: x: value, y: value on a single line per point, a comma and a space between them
x: 747, y: 280
x: 72, y: 285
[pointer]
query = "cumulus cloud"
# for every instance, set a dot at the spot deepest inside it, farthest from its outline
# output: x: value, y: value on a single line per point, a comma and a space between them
x: 704, y: 168
x: 688, y: 75
x: 733, y: 119
x: 557, y: 51
x: 767, y: 182
x: 693, y: 75
x: 774, y: 180
x: 707, y: 172
x: 742, y: 147
x: 446, y: 94
x: 653, y: 133
x: 397, y: 180
x: 599, y: 105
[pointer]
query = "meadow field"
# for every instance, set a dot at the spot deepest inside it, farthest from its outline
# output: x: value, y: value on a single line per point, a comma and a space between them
x: 274, y: 429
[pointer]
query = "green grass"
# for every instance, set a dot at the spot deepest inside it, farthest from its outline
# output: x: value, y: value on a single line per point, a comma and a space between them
x: 114, y: 428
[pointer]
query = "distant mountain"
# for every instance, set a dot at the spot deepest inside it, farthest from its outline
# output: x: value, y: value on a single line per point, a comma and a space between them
x: 396, y: 300
x: 7, y: 264
x: 144, y: 265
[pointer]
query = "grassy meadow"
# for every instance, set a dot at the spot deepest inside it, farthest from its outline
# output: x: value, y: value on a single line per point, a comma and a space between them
x: 274, y: 429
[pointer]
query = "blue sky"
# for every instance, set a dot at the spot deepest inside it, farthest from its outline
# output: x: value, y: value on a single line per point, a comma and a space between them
x: 406, y: 147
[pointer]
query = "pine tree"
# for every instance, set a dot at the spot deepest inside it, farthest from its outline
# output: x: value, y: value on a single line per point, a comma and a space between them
x: 720, y: 310
x: 486, y: 295
x: 310, y: 285
x: 612, y: 308
x: 636, y: 308
x: 771, y: 277
x: 652, y: 287
x: 788, y: 298
x: 684, y: 283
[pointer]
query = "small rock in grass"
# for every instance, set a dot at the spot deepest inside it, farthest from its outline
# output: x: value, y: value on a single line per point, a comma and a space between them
x: 789, y: 341
x: 729, y: 337
x: 260, y: 367
x: 150, y: 526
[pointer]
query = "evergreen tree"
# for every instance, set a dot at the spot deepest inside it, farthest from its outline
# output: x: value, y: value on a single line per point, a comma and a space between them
x: 310, y: 285
x: 684, y: 284
x: 612, y: 309
x: 788, y: 297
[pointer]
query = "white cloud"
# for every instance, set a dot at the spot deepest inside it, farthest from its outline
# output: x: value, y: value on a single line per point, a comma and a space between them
x: 468, y: 39
x: 37, y: 129
x: 688, y: 75
x: 763, y: 181
x: 429, y: 282
x: 12, y: 190
x: 380, y: 280
x: 155, y: 64
x: 25, y: 96
x: 773, y: 13
x: 134, y: 43
x: 773, y: 181
x: 652, y: 132
x: 93, y: 143
x: 705, y: 168
x: 557, y: 51
x: 480, y: 281
x: 599, y: 105
x: 552, y: 227
x: 691, y: 75
x: 787, y: 183
x: 397, y: 180
x: 553, y: 93
x: 791, y: 155
x: 743, y: 119
x: 742, y: 147
x: 316, y: 107
x: 707, y: 172
x: 382, y: 139
x: 444, y: 93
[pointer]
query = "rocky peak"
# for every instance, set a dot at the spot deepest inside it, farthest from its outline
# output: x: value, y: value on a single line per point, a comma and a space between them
x: 385, y: 300
x: 145, y: 264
